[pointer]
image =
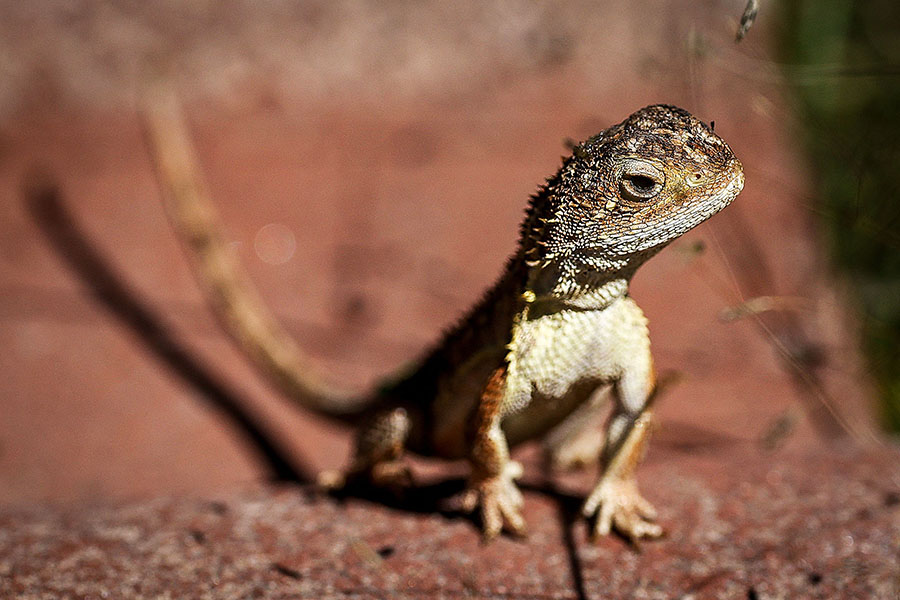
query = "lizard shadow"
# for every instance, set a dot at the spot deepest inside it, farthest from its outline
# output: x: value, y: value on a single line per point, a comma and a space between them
x: 417, y: 498
x: 45, y: 204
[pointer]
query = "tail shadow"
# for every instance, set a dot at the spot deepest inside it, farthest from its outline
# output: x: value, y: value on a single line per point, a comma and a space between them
x: 45, y: 203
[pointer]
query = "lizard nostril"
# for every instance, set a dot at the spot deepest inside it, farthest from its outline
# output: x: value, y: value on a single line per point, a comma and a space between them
x: 695, y: 179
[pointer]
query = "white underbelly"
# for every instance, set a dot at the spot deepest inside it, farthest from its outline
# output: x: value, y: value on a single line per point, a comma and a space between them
x: 563, y: 351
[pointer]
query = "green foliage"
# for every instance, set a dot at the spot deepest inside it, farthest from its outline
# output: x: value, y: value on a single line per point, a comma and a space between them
x: 843, y: 59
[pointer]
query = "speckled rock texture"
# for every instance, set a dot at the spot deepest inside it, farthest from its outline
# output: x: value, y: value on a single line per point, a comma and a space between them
x: 812, y: 525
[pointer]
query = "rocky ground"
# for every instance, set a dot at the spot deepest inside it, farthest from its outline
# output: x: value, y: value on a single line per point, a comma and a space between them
x: 817, y: 525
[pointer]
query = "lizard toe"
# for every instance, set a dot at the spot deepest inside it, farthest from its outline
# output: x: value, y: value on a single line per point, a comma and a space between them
x: 618, y: 505
x: 499, y: 502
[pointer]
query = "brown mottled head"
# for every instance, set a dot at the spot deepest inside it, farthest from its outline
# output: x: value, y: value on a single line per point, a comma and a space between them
x: 628, y: 191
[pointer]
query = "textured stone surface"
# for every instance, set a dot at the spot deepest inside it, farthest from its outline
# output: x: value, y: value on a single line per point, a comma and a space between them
x: 810, y: 525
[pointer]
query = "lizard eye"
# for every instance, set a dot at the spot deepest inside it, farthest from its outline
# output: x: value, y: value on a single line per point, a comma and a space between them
x: 639, y: 184
x: 641, y: 181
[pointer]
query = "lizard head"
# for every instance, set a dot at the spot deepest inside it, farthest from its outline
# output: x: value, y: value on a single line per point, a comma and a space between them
x: 627, y: 192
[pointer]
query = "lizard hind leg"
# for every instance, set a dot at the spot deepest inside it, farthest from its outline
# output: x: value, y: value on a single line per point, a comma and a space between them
x: 378, y: 454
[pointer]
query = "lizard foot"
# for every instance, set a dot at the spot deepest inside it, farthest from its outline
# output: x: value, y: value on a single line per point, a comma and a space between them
x: 617, y: 503
x: 392, y: 475
x: 499, y: 499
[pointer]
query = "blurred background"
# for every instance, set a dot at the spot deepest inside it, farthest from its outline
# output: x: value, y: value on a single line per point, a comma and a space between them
x: 843, y: 64
x: 371, y: 162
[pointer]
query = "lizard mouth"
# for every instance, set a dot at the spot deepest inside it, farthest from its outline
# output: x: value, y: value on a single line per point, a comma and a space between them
x: 735, y: 182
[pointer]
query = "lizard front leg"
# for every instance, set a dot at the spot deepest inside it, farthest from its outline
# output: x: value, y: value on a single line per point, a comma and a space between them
x: 615, y: 499
x: 492, y: 483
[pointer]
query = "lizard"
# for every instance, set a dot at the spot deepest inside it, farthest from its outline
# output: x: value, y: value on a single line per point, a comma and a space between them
x: 555, y: 333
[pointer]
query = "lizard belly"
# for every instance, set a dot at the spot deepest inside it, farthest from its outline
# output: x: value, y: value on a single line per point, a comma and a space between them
x: 555, y: 362
x: 559, y: 359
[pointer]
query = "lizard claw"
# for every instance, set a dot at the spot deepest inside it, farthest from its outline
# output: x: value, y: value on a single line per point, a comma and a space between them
x: 500, y: 502
x: 618, y: 504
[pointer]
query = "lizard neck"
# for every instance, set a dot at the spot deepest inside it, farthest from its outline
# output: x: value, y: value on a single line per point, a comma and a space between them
x: 593, y: 291
x: 582, y: 283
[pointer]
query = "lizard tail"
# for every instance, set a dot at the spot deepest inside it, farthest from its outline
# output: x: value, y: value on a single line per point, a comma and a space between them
x: 228, y: 290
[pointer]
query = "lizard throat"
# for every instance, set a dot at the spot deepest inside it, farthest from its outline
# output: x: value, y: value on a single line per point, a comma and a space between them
x: 584, y: 285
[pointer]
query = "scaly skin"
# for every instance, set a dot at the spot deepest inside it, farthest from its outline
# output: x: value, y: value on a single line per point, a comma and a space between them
x: 543, y: 344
